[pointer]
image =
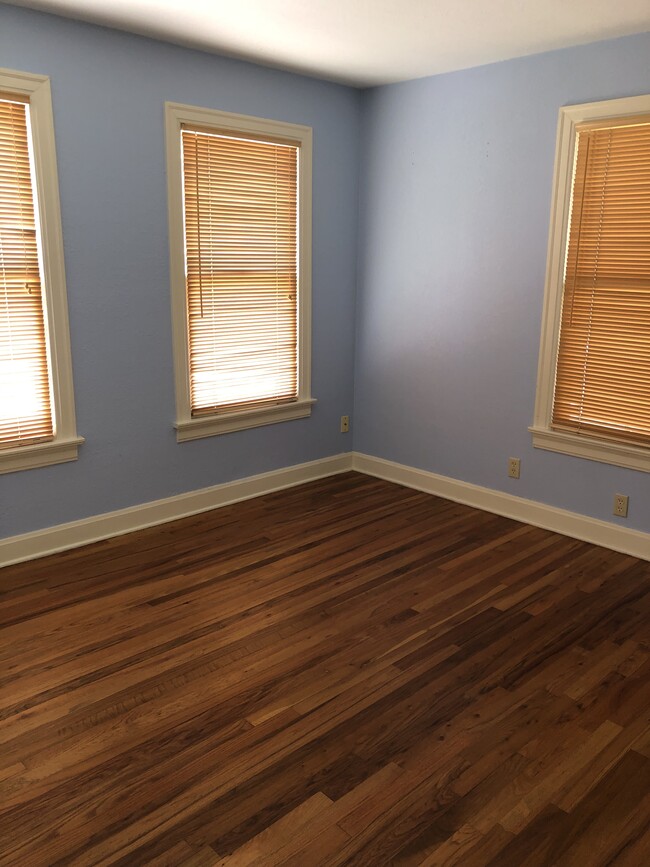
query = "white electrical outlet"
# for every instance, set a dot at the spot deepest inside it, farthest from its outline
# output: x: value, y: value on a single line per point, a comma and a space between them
x: 514, y: 467
x: 345, y: 423
x: 620, y: 505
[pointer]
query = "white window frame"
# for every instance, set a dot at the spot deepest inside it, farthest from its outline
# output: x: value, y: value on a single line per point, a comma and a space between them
x: 64, y: 445
x: 187, y: 427
x: 595, y: 448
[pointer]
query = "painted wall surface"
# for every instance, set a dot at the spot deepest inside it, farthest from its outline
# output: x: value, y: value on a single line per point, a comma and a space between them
x: 108, y: 92
x: 456, y: 189
x: 456, y: 177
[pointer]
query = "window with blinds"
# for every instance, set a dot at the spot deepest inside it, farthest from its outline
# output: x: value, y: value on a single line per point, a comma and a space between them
x: 26, y: 414
x: 241, y: 255
x: 602, y: 384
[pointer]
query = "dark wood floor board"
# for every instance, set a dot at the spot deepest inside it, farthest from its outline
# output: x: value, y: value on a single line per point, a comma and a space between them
x: 261, y: 752
x: 600, y: 826
x: 513, y: 561
x: 345, y: 672
x: 579, y: 785
x: 153, y: 685
x: 267, y: 843
x: 467, y: 848
x: 634, y: 850
x: 503, y: 532
x: 123, y: 647
x: 621, y: 699
x: 559, y: 774
x: 178, y: 853
x: 230, y: 821
x: 556, y: 631
x: 641, y: 744
x: 503, y: 734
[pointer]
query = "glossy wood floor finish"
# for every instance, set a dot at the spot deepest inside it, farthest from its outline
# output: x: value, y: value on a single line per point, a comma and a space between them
x: 348, y: 672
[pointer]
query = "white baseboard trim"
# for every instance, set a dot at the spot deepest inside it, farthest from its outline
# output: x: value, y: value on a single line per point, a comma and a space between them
x: 567, y: 523
x: 16, y: 549
x: 62, y: 537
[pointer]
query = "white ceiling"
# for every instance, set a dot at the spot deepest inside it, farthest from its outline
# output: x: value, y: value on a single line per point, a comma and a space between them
x: 366, y: 42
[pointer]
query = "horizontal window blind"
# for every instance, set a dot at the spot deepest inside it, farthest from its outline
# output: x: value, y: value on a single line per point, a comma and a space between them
x: 25, y: 401
x: 240, y: 203
x: 603, y: 366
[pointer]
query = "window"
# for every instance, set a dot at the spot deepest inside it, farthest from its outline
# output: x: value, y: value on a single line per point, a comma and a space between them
x: 593, y: 393
x: 37, y: 423
x: 240, y: 238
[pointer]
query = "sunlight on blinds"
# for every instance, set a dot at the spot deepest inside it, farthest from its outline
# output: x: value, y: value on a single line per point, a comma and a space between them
x: 25, y: 401
x: 240, y: 208
x: 603, y: 368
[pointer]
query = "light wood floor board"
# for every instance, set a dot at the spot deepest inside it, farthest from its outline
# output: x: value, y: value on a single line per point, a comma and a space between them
x: 347, y: 672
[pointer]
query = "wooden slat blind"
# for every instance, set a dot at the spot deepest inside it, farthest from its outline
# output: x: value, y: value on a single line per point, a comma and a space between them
x: 25, y: 401
x: 603, y: 367
x: 240, y: 201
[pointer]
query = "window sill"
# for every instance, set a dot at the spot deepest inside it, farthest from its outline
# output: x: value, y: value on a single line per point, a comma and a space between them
x: 592, y: 448
x: 39, y: 455
x: 207, y: 426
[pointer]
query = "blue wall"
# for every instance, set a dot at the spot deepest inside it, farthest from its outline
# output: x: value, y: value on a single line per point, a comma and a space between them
x: 456, y: 189
x: 108, y: 92
x: 455, y: 174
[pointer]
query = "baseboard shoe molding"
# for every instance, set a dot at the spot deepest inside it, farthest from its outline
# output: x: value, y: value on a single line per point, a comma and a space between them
x: 28, y: 546
x: 572, y: 524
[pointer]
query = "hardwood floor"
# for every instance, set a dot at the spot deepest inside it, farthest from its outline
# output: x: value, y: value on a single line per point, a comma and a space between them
x: 349, y: 672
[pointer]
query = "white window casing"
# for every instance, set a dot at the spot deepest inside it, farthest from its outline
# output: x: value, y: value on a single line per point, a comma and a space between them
x: 64, y: 444
x: 593, y: 447
x: 189, y: 427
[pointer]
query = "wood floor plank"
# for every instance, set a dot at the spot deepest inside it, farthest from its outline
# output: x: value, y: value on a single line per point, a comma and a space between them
x: 345, y: 672
x: 280, y: 833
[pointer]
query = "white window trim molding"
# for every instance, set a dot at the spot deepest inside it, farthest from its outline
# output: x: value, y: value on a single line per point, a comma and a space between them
x: 187, y: 426
x: 595, y: 448
x: 65, y: 443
